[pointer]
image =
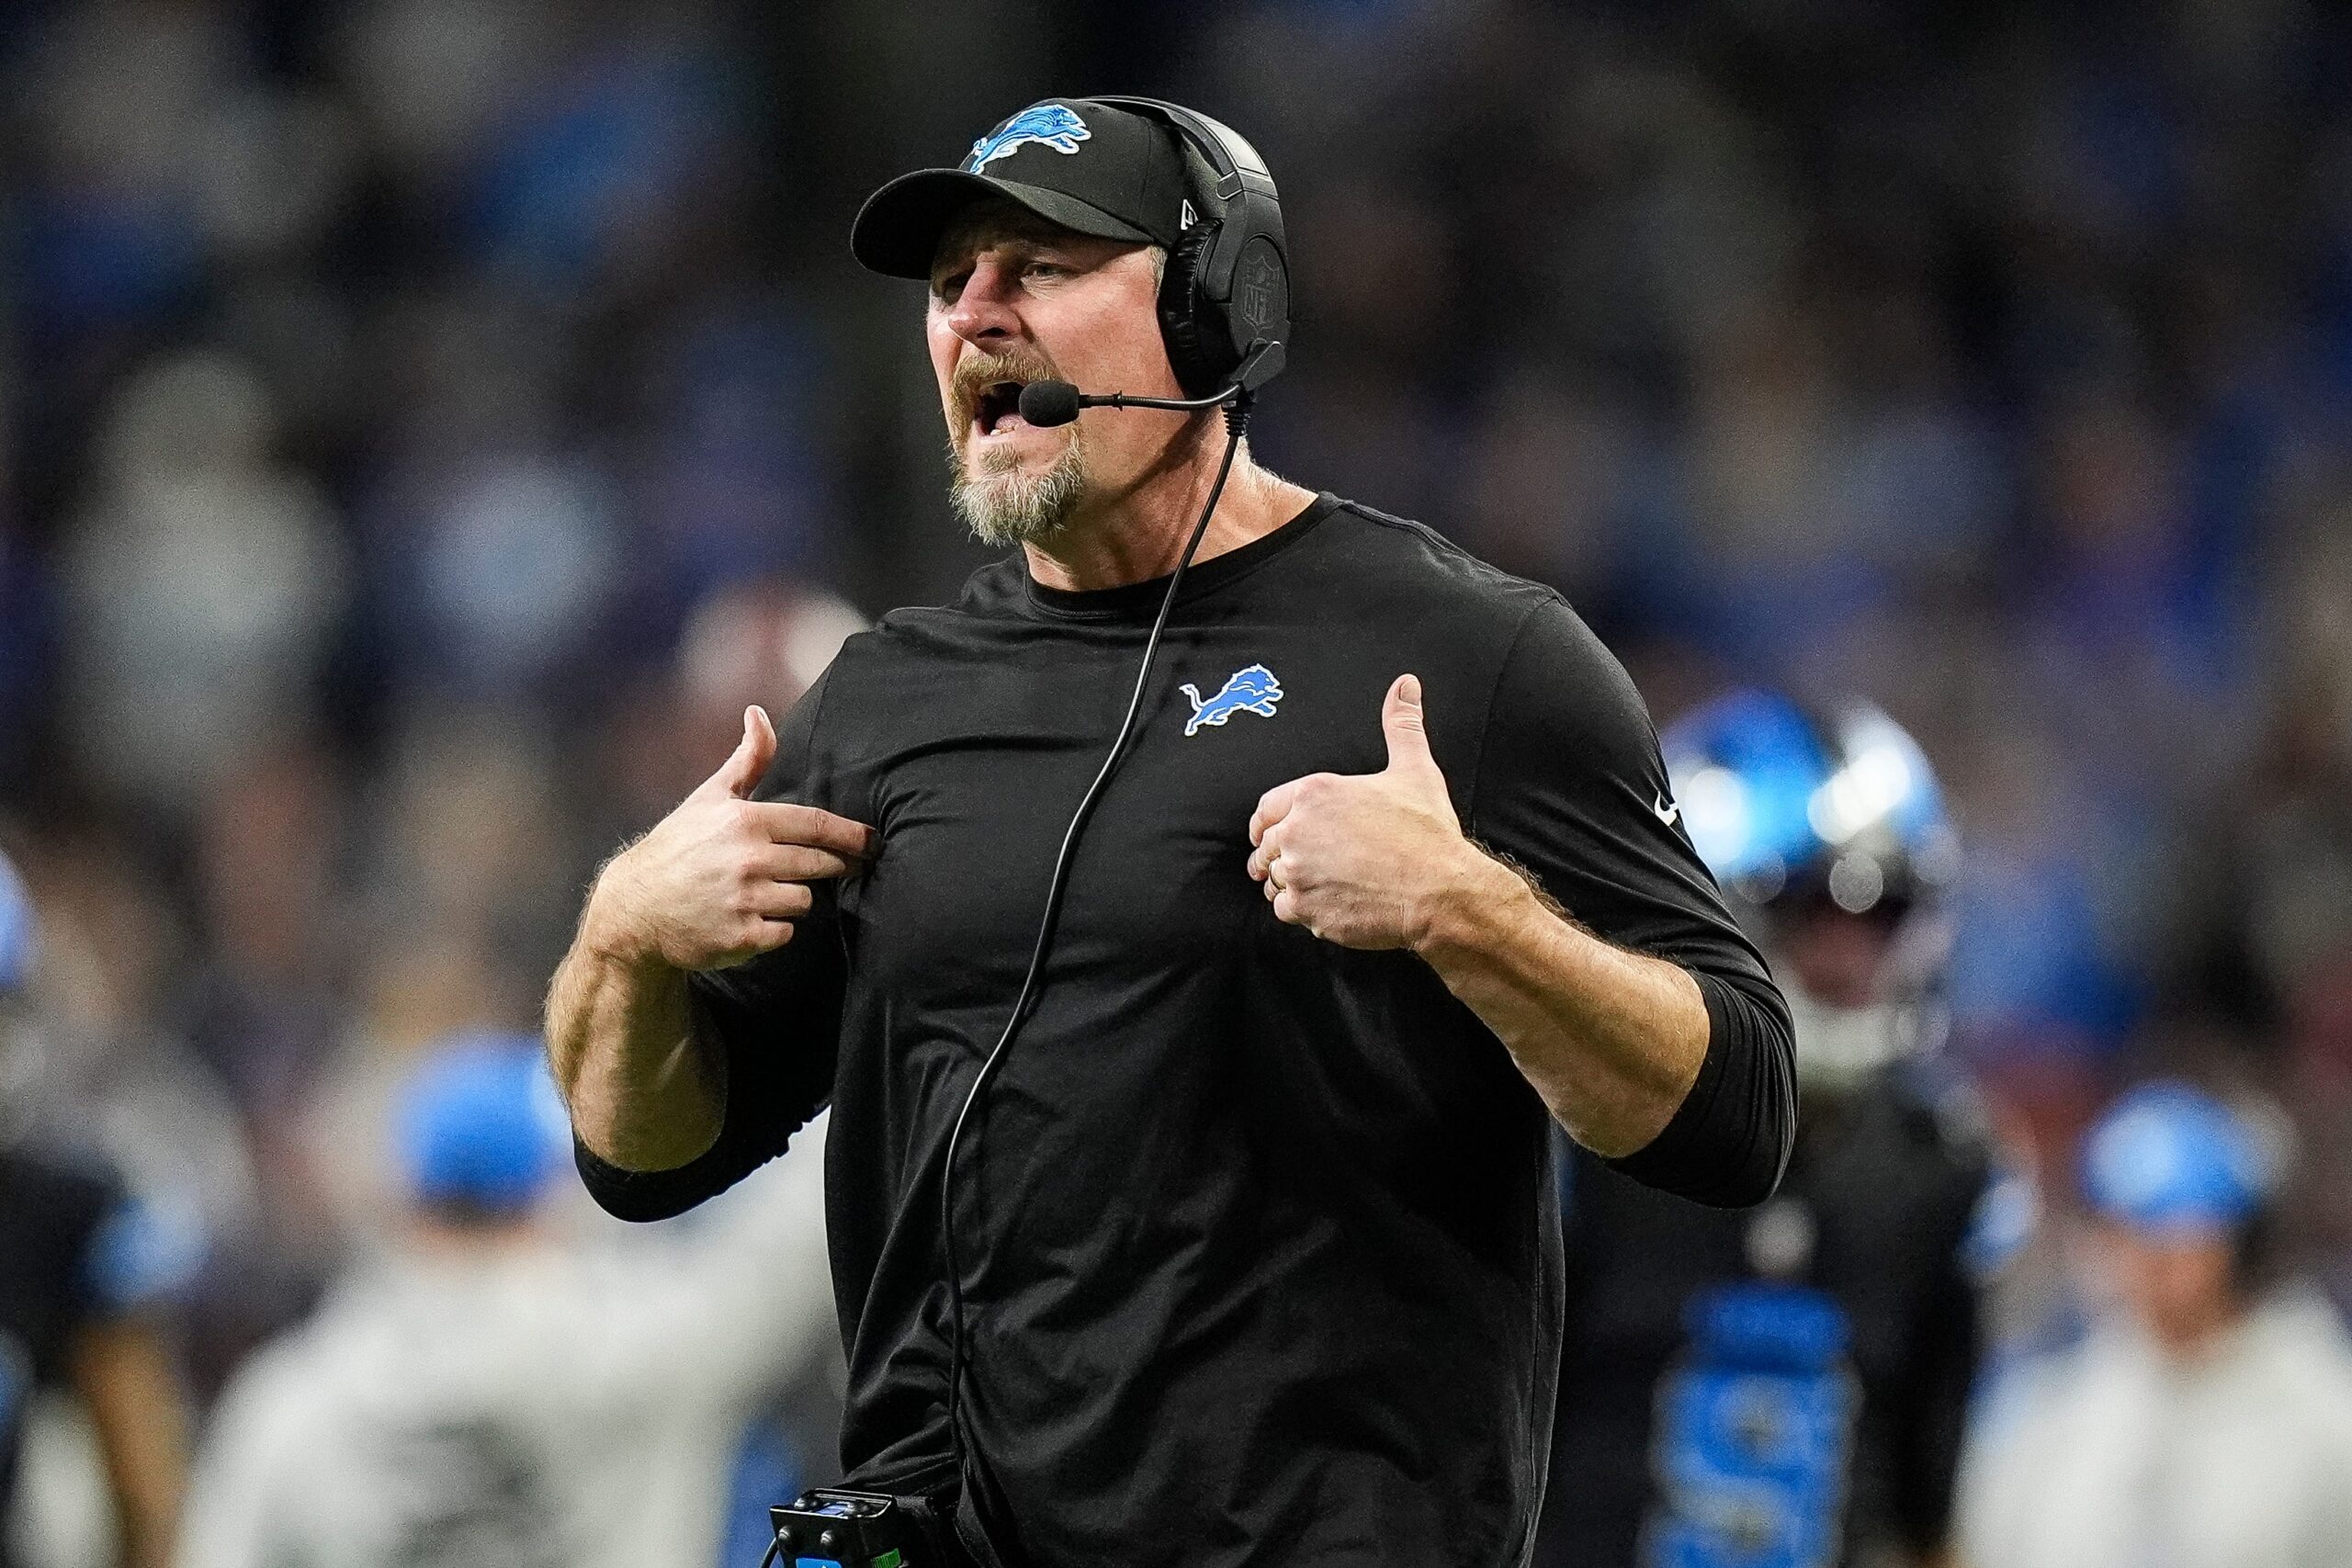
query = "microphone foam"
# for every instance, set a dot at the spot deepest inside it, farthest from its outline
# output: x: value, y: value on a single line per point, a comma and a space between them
x: 1048, y: 403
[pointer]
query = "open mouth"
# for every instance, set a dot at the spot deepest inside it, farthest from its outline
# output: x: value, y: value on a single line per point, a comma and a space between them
x: 998, y: 406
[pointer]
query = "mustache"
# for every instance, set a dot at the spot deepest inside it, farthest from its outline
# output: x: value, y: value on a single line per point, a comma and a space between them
x: 981, y: 371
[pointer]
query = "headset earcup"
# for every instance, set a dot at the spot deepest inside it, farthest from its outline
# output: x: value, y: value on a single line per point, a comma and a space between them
x: 1200, y: 340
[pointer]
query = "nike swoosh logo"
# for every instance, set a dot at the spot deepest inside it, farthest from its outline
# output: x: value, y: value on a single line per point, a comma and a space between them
x: 1666, y: 810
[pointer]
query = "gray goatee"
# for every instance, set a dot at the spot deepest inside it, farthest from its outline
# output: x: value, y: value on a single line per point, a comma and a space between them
x: 1005, y: 507
x: 1002, y: 505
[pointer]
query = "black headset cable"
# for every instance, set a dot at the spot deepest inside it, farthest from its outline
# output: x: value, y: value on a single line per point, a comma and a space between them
x: 1236, y: 420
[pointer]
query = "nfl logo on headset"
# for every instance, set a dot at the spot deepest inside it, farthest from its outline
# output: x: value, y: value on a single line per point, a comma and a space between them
x: 1051, y: 125
x: 1255, y: 293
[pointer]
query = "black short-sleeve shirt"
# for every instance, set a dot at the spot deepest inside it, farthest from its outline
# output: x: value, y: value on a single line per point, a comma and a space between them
x: 1262, y: 1249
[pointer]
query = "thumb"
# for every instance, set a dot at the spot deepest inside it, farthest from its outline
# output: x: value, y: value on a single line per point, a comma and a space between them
x: 741, y: 773
x: 1401, y: 722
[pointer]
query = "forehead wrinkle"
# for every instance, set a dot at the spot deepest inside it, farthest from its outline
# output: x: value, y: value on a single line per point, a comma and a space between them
x: 992, y: 221
x: 998, y: 221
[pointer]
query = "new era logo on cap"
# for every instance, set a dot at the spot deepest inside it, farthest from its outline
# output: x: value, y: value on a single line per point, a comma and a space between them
x: 1052, y: 125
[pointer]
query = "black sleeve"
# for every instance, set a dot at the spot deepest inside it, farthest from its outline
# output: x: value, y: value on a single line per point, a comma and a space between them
x: 775, y: 1021
x: 1570, y: 783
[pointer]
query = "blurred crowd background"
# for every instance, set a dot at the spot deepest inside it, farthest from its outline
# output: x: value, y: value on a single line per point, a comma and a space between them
x: 424, y: 423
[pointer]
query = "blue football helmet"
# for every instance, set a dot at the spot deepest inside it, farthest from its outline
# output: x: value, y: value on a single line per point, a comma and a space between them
x: 1800, y: 814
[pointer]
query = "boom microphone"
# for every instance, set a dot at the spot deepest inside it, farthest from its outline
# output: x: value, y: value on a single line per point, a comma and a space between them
x: 1048, y: 403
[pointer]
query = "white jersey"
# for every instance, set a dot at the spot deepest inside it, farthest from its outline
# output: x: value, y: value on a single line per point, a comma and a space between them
x: 2114, y: 1456
x: 542, y: 1406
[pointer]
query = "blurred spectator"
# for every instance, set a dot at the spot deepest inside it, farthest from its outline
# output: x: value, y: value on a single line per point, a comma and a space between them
x: 487, y: 1393
x: 203, y: 585
x: 494, y: 537
x: 263, y: 999
x: 83, y: 1263
x: 2207, y: 1421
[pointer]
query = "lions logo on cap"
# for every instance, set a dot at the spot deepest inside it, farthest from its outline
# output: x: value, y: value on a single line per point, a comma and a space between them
x: 1056, y: 125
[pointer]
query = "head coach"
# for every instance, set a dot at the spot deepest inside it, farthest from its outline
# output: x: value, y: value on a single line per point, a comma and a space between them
x: 1195, y: 928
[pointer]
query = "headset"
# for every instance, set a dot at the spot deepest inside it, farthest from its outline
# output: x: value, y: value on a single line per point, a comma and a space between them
x: 1227, y: 289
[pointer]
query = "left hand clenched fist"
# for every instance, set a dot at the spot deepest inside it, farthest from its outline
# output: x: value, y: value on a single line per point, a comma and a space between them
x: 1361, y: 859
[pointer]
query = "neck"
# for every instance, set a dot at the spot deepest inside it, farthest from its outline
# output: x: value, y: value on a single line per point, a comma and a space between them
x: 436, y: 1236
x: 1137, y: 532
x: 2188, y: 1339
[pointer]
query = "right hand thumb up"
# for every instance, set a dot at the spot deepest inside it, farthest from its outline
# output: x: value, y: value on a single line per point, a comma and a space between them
x: 741, y: 773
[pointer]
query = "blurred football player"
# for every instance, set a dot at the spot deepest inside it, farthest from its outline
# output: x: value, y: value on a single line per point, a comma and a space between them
x: 2206, y: 1420
x: 1785, y: 1387
x: 84, y: 1265
x: 493, y: 1393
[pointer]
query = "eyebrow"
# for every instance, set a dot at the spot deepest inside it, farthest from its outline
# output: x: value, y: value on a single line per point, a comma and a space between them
x: 963, y: 248
x: 1001, y: 232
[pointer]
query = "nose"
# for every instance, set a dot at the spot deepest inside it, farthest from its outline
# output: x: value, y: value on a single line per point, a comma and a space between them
x: 983, y: 314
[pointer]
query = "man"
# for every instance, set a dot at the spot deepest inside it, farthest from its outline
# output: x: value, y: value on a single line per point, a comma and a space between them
x: 84, y: 1265
x: 492, y: 1393
x: 2206, y: 1422
x: 1786, y: 1389
x: 1258, y: 1251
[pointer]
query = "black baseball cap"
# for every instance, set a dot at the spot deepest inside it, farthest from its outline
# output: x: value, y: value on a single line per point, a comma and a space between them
x: 1085, y: 165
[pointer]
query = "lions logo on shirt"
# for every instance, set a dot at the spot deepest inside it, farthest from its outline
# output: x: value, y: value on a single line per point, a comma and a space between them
x: 1253, y: 690
x: 1052, y: 125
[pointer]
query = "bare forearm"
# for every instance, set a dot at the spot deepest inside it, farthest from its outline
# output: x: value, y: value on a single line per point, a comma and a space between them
x: 139, y: 1411
x: 720, y: 881
x: 644, y: 1093
x: 1612, y: 1040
